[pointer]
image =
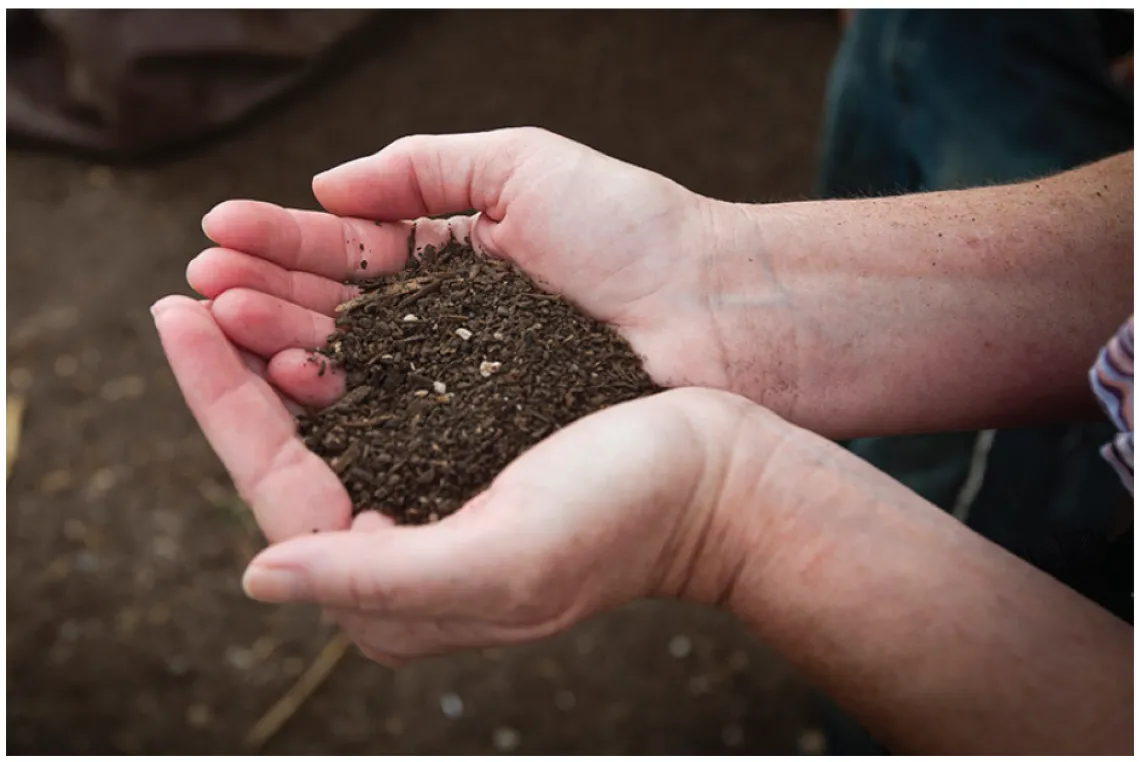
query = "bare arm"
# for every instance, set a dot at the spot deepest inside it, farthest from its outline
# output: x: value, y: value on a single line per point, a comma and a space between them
x: 935, y: 639
x: 938, y: 311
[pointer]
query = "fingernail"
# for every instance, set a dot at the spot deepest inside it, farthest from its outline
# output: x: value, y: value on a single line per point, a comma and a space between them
x: 159, y: 307
x: 190, y: 267
x: 167, y: 303
x: 273, y: 584
x: 206, y: 220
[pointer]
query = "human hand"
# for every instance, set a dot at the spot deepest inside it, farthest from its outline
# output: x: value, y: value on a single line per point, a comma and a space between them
x: 621, y: 505
x: 628, y: 503
x: 629, y: 247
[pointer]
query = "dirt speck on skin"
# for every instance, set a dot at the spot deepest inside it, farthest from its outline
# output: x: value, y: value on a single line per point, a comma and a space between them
x: 455, y: 366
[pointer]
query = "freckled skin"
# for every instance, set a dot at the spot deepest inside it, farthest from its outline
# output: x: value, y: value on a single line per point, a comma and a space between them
x: 885, y: 303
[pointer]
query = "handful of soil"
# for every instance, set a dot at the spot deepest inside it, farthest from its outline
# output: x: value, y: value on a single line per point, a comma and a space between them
x: 455, y: 366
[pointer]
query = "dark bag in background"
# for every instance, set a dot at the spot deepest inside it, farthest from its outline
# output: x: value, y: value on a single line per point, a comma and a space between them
x: 121, y: 84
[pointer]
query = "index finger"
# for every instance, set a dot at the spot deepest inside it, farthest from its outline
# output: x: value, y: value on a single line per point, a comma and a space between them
x: 312, y: 242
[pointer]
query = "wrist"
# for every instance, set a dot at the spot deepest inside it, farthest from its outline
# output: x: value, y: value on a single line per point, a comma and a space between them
x: 777, y: 489
x: 857, y: 581
x: 753, y: 287
x: 723, y: 522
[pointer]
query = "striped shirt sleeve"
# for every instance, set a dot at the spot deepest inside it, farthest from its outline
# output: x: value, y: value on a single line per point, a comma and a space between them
x: 1111, y: 379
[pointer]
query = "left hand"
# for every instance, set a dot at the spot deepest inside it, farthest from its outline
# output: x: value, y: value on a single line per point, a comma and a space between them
x: 623, y: 504
x: 665, y: 267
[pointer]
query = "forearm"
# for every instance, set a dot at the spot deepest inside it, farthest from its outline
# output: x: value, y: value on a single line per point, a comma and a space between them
x: 935, y: 639
x: 938, y: 311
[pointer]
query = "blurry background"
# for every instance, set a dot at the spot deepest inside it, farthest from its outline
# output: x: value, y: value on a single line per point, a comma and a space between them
x: 127, y: 630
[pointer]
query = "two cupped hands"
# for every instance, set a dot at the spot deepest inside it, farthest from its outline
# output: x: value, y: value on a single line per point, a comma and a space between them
x: 666, y: 496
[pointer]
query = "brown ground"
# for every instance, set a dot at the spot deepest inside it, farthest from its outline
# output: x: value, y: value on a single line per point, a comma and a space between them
x: 126, y: 628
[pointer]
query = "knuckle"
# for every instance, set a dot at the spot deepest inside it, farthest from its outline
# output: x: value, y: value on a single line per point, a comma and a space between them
x: 534, y: 139
x: 531, y: 132
x: 408, y: 144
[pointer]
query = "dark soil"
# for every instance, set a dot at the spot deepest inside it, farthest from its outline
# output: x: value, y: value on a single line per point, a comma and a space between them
x: 455, y: 366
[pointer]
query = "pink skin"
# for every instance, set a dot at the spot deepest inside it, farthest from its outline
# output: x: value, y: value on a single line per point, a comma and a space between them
x: 274, y: 282
x: 637, y: 484
x: 249, y: 426
x: 214, y: 271
x: 284, y: 257
x: 279, y: 314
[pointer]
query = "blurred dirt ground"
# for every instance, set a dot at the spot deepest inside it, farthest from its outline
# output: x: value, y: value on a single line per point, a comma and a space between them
x: 127, y: 631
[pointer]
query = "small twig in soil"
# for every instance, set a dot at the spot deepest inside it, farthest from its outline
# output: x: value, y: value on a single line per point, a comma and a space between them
x: 351, y: 398
x: 311, y: 679
x: 367, y: 423
x: 358, y: 301
x: 415, y: 296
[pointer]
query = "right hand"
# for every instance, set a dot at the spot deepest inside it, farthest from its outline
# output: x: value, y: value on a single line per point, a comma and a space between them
x: 667, y: 496
x: 663, y: 497
x: 628, y: 246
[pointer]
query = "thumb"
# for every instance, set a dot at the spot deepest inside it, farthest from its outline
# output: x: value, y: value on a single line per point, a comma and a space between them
x: 425, y: 175
x: 443, y: 569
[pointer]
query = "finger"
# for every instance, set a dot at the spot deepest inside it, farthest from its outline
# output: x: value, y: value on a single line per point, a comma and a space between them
x: 449, y: 570
x: 307, y: 241
x: 266, y: 325
x: 371, y: 521
x: 337, y: 570
x: 255, y: 364
x: 432, y: 174
x: 307, y: 377
x: 215, y: 271
x: 290, y: 490
x: 260, y: 368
